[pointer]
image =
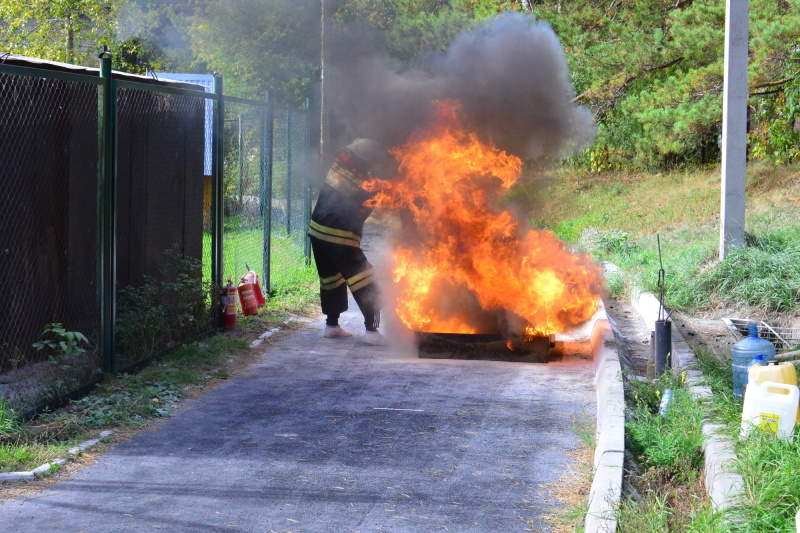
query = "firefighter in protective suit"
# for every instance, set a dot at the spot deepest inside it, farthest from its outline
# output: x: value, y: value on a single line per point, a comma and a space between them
x: 337, y: 224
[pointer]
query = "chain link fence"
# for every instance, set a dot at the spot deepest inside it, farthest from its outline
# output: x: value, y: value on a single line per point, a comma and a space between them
x: 291, y: 197
x: 48, y: 226
x: 103, y: 269
x: 266, y: 196
x: 161, y: 297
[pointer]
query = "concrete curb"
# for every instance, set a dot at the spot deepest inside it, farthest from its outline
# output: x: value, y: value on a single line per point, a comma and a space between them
x: 723, y: 484
x: 606, y: 491
x: 46, y: 468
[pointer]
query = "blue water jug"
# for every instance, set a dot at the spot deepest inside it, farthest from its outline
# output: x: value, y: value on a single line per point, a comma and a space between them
x: 744, y: 352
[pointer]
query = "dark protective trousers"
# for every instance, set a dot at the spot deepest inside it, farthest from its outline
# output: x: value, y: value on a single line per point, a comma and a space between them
x: 339, y: 267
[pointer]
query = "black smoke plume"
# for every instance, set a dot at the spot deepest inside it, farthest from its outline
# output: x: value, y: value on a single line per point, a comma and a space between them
x: 509, y: 73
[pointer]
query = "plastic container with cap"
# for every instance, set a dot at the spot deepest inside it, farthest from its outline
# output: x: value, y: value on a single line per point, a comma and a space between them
x: 743, y: 352
x: 758, y: 361
x: 773, y: 371
x: 771, y: 407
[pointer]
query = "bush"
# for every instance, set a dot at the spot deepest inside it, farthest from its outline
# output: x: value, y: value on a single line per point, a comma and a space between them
x: 160, y: 314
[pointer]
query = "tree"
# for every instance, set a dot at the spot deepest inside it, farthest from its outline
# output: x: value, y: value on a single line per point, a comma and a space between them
x: 412, y: 27
x: 260, y: 44
x: 68, y: 30
x: 652, y: 71
x: 150, y: 35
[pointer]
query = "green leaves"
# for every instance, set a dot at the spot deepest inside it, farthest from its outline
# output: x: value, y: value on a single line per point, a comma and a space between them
x: 60, y: 341
x: 65, y: 30
x: 259, y: 45
x: 652, y: 73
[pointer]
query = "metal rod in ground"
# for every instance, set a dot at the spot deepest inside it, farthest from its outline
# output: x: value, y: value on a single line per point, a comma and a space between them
x: 663, y: 346
x: 265, y: 191
x: 217, y: 189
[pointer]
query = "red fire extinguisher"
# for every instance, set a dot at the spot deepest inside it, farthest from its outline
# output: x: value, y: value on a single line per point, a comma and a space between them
x: 229, y: 305
x: 247, y: 298
x: 252, y: 277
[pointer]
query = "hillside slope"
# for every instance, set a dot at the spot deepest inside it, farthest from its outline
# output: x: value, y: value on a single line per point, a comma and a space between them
x: 633, y: 212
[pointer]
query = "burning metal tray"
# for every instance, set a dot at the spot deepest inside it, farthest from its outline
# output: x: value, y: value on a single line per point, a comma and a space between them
x: 533, y: 349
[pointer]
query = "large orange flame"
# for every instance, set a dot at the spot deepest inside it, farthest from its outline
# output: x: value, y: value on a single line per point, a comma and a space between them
x: 462, y: 264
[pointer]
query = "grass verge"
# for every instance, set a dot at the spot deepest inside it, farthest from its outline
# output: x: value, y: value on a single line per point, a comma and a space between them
x: 124, y: 401
x: 621, y: 218
x: 665, y: 490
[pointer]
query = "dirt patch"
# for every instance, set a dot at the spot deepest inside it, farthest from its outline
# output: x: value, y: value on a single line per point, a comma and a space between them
x: 709, y: 333
x: 572, y: 491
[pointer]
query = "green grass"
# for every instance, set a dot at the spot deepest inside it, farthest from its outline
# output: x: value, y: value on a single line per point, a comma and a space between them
x: 770, y: 468
x: 765, y: 275
x: 725, y: 408
x: 669, y: 441
x: 617, y: 217
x: 667, y: 447
x: 10, y: 426
x: 25, y: 457
x: 17, y: 450
x: 244, y: 245
x: 293, y: 279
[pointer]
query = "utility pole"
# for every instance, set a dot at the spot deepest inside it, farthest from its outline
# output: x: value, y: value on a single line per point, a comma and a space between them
x: 323, y: 123
x: 734, y: 126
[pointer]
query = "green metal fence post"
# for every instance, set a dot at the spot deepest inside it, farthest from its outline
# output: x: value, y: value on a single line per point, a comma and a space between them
x: 106, y: 214
x: 217, y: 190
x: 241, y: 163
x: 288, y: 172
x: 265, y: 190
x: 307, y: 183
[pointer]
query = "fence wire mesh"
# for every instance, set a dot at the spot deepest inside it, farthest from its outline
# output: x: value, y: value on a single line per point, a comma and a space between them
x: 48, y: 246
x: 266, y: 194
x: 291, y: 207
x: 162, y: 300
x: 50, y: 199
x: 244, y: 178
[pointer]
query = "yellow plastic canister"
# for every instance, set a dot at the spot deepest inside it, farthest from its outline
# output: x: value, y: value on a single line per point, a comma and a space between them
x: 774, y: 371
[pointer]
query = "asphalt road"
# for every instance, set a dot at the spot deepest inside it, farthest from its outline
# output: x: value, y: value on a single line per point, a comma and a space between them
x: 332, y: 435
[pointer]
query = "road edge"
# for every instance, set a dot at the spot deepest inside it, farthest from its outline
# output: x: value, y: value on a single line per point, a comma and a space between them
x: 606, y: 491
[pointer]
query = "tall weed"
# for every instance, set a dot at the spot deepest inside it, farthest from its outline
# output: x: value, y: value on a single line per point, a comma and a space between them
x: 670, y: 441
x: 764, y: 275
x: 770, y: 468
x: 10, y: 426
